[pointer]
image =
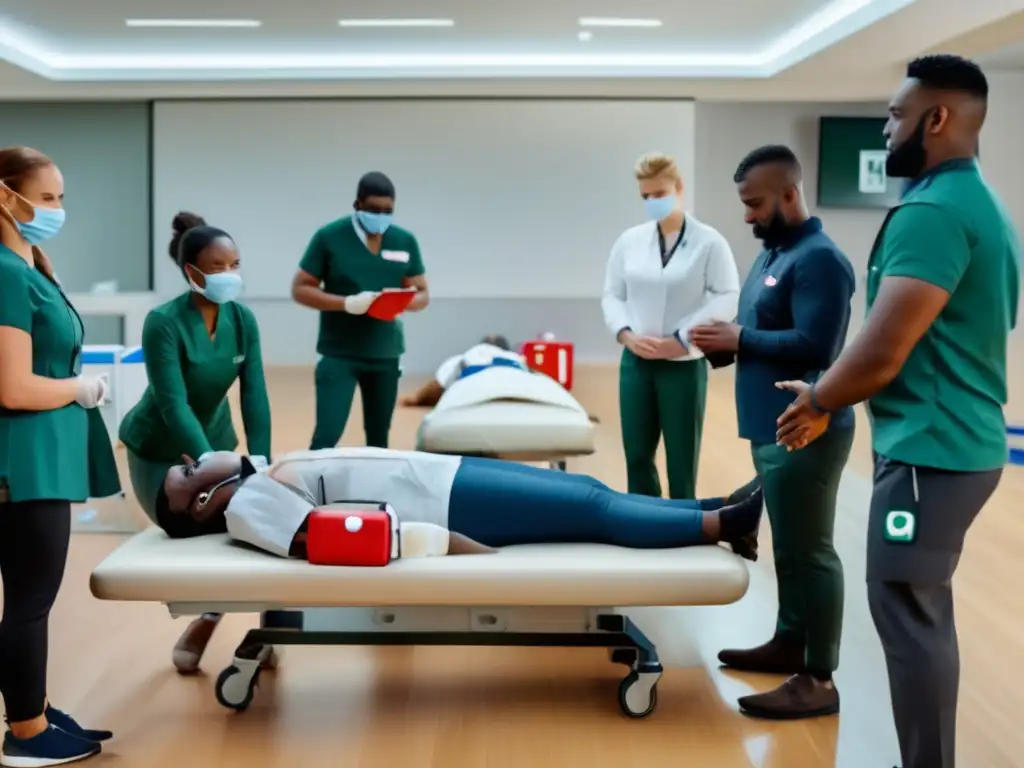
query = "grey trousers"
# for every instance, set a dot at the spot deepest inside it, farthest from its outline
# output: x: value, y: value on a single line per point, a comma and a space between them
x: 916, y: 529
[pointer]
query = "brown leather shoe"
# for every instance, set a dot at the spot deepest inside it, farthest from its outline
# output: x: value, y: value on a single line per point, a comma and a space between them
x: 780, y: 655
x: 801, y: 696
x: 191, y: 646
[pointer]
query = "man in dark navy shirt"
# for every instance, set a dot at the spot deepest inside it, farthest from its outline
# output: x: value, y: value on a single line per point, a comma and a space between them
x: 793, y: 315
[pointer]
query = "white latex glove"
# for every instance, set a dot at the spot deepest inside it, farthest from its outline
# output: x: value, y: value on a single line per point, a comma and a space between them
x: 259, y: 462
x: 360, y: 302
x: 92, y: 391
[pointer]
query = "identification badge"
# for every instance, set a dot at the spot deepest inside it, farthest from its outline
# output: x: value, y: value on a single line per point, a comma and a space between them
x: 238, y: 359
x: 770, y: 281
x: 400, y: 256
x: 900, y: 526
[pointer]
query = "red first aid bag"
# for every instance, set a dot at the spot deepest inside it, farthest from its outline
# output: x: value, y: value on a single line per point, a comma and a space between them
x: 352, y: 533
x: 555, y: 358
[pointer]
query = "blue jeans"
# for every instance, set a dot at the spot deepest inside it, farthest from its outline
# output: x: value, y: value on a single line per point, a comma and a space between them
x: 502, y: 503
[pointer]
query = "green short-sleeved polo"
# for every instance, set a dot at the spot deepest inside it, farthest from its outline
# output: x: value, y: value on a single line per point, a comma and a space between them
x: 945, y: 407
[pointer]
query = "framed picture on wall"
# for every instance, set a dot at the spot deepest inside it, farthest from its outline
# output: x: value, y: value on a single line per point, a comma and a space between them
x: 851, y: 164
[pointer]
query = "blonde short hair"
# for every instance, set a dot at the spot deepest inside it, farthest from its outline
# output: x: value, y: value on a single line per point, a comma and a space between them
x: 655, y: 165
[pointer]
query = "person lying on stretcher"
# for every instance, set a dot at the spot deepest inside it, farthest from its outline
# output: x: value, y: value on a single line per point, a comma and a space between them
x: 444, y: 504
x: 492, y: 350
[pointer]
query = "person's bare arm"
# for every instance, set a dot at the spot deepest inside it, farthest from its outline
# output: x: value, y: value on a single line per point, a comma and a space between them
x: 422, y: 297
x: 463, y: 545
x: 20, y: 388
x: 306, y: 291
x: 426, y: 396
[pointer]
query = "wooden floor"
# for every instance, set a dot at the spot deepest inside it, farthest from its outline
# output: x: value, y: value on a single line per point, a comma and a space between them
x: 492, y: 708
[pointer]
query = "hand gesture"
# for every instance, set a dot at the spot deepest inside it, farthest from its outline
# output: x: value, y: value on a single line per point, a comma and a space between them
x: 801, y: 423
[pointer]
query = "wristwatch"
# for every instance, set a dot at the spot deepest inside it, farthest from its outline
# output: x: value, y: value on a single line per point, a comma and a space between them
x: 814, y: 401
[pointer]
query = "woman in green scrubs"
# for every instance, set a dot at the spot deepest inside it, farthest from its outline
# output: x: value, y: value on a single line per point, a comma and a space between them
x: 54, y: 450
x: 196, y: 346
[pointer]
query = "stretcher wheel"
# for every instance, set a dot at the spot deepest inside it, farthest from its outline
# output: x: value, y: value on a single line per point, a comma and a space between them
x: 235, y: 689
x: 638, y: 694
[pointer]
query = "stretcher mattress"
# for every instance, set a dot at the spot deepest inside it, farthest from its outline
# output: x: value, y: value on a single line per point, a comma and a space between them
x: 150, y: 567
x: 506, y: 412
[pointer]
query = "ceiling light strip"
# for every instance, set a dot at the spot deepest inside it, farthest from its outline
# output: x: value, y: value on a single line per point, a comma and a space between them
x: 194, y: 23
x: 391, y: 23
x: 600, y: 21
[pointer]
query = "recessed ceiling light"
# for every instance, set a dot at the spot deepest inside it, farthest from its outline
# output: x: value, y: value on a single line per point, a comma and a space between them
x: 584, y: 36
x: 218, y: 23
x: 396, y: 23
x: 599, y: 21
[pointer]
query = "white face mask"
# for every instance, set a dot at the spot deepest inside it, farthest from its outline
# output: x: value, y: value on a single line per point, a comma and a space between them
x: 220, y: 288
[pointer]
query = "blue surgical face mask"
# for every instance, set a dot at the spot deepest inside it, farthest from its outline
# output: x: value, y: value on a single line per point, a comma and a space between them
x: 221, y: 287
x: 46, y: 223
x: 374, y: 223
x: 659, y: 208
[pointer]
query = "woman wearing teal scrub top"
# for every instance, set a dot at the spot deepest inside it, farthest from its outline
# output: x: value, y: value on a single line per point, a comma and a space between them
x: 54, y: 450
x: 196, y: 347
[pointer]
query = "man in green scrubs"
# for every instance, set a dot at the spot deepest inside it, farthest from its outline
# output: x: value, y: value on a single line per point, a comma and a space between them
x: 943, y: 286
x: 196, y: 346
x: 346, y: 266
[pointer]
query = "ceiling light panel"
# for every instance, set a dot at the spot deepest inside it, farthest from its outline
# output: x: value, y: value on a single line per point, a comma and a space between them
x: 391, y: 23
x: 601, y: 21
x: 194, y: 23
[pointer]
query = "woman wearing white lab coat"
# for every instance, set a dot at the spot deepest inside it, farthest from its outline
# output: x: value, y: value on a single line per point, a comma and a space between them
x: 663, y: 278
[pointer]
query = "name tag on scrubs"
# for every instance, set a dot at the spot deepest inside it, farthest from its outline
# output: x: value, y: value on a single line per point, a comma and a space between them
x: 402, y: 256
x: 770, y: 281
x: 238, y: 359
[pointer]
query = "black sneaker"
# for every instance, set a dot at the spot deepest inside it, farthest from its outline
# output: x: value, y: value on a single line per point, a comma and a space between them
x: 67, y: 723
x: 51, y: 747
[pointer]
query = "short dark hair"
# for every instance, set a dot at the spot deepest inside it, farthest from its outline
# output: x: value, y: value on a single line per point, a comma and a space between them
x: 181, y: 525
x: 375, y: 184
x: 946, y: 72
x: 497, y: 340
x: 768, y: 154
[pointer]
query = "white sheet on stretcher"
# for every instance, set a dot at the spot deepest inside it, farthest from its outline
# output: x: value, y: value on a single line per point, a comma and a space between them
x: 150, y: 567
x: 504, y: 411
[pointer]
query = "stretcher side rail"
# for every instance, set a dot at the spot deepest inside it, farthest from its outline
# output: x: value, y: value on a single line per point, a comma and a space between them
x: 541, y: 627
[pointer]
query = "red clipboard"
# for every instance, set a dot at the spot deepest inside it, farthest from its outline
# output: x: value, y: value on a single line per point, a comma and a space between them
x: 391, y: 303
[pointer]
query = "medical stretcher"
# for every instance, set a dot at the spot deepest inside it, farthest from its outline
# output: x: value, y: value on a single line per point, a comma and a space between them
x: 538, y: 595
x: 505, y: 413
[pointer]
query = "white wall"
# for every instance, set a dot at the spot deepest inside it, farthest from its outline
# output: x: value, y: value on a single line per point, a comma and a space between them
x: 724, y: 133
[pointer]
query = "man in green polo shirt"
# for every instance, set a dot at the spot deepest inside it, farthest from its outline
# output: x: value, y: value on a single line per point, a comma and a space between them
x: 346, y: 266
x: 942, y: 293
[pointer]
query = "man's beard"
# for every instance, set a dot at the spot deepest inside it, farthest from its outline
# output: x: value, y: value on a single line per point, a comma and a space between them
x: 774, y: 231
x: 908, y: 159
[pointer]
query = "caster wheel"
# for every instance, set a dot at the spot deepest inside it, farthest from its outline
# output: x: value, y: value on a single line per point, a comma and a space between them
x: 234, y: 690
x: 638, y: 694
x: 627, y: 656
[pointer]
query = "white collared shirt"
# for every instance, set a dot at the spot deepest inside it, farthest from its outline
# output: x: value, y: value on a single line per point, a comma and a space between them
x: 268, y: 509
x: 699, y: 285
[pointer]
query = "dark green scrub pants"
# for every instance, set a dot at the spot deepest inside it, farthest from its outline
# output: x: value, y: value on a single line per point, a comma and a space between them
x: 336, y: 382
x: 800, y: 489
x: 662, y: 398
